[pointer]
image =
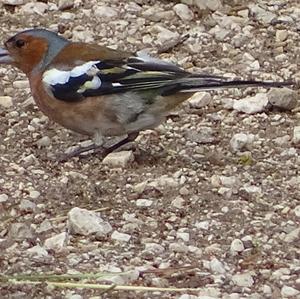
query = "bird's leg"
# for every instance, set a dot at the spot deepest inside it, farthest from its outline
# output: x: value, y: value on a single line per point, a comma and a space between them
x: 130, y: 138
x: 98, y: 142
x: 97, y: 147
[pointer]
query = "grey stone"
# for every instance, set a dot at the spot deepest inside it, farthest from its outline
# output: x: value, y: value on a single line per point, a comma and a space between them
x: 21, y: 231
x: 154, y: 248
x: 3, y: 197
x: 45, y: 141
x: 38, y: 251
x: 84, y: 222
x: 178, y: 247
x: 56, y: 242
x: 183, y: 12
x: 32, y: 8
x: 287, y: 291
x: 216, y: 266
x: 121, y: 237
x: 241, y: 141
x: 27, y: 205
x: 202, y: 136
x: 105, y: 12
x: 292, y: 236
x: 243, y: 280
x: 262, y: 15
x: 283, y: 98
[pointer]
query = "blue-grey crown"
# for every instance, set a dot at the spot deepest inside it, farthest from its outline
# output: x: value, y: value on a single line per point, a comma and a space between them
x: 56, y: 44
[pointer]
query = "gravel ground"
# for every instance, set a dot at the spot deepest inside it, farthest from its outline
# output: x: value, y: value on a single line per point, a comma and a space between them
x: 209, y: 200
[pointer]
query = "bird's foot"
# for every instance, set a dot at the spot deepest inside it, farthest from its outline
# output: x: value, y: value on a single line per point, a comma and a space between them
x: 96, y: 149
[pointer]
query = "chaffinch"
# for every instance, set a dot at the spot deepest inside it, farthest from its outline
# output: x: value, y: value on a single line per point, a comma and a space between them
x: 100, y: 92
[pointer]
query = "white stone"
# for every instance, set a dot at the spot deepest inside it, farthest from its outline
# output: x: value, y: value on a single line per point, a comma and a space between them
x: 297, y: 211
x: 21, y: 84
x: 281, y: 57
x: 282, y: 141
x: 164, y: 35
x: 45, y: 141
x: 56, y: 242
x: 243, y: 280
x: 296, y: 135
x: 200, y: 99
x: 73, y: 296
x: 6, y: 101
x: 241, y: 141
x: 123, y: 278
x: 211, y: 4
x: 237, y: 246
x: 84, y: 222
x: 144, y: 203
x: 67, y: 16
x: 153, y: 13
x: 13, y: 2
x: 188, y: 296
x: 34, y: 194
x: 287, y: 291
x: 37, y: 251
x: 292, y: 236
x: 178, y: 247
x: 202, y: 224
x: 34, y: 7
x: 105, y: 12
x: 216, y: 266
x: 281, y: 35
x: 3, y: 197
x: 184, y: 236
x: 178, y: 202
x: 165, y: 181
x: 251, y: 189
x: 154, y: 247
x: 121, y: 237
x: 251, y: 105
x: 267, y: 289
x: 219, y: 33
x: 229, y: 181
x: 183, y: 12
x: 284, y: 98
x: 119, y: 159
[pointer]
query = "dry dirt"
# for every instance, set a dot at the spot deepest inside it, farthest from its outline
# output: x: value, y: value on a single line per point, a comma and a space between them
x: 226, y: 223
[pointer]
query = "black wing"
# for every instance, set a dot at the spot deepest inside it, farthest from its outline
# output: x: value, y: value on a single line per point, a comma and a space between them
x: 109, y: 77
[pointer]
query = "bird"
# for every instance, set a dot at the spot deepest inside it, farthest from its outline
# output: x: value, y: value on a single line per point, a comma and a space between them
x: 102, y: 92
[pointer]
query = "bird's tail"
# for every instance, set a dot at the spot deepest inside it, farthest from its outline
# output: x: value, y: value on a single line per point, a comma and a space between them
x: 196, y: 83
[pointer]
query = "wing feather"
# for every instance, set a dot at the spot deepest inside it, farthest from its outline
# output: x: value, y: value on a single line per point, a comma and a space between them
x: 95, y: 78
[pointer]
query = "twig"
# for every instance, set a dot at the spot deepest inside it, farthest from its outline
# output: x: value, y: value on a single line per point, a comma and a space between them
x: 106, y: 287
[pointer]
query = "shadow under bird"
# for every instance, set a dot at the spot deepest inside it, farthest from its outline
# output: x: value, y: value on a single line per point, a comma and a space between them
x: 100, y: 92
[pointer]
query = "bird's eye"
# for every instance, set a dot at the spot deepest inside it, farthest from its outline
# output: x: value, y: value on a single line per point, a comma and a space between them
x: 20, y: 43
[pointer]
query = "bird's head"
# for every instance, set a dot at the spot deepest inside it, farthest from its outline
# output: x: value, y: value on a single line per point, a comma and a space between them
x: 32, y: 49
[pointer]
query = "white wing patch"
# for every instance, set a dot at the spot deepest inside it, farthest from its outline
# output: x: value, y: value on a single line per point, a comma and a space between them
x: 55, y: 76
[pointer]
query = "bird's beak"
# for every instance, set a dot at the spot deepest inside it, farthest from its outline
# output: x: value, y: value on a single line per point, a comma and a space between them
x: 5, y: 57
